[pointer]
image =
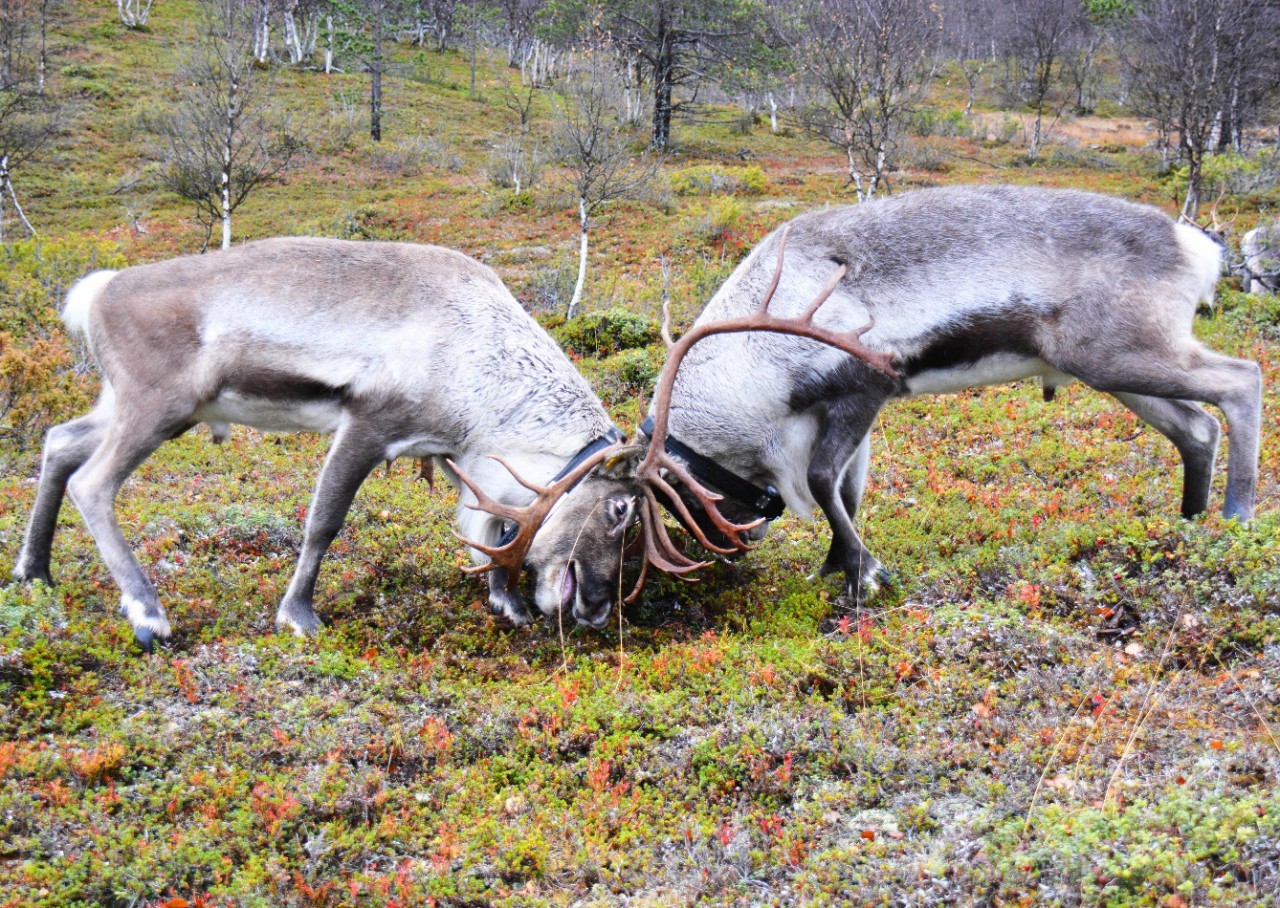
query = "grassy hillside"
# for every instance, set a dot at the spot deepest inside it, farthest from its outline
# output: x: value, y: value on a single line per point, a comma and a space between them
x: 1071, y: 697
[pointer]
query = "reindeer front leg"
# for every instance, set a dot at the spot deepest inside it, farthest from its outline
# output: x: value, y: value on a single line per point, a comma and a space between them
x: 837, y: 476
x: 357, y: 448
x: 505, y: 602
x: 486, y: 529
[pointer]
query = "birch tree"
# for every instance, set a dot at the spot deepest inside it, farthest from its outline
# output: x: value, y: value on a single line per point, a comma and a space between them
x: 30, y: 117
x: 1039, y: 37
x: 1203, y: 69
x: 220, y: 140
x: 594, y: 148
x: 134, y: 13
x: 680, y: 42
x: 868, y: 62
x: 366, y: 33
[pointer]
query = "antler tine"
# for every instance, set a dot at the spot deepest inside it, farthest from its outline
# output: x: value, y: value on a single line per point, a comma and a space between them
x: 666, y: 324
x: 531, y: 486
x: 658, y: 549
x: 777, y: 272
x: 657, y: 460
x: 829, y: 288
x: 528, y: 519
x: 483, y: 501
x: 710, y: 502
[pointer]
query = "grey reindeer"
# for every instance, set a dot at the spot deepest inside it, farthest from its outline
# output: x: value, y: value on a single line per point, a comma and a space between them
x: 399, y: 351
x: 959, y: 287
x: 929, y: 292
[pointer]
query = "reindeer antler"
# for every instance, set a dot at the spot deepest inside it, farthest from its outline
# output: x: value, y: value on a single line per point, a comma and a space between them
x: 659, y: 550
x: 528, y: 518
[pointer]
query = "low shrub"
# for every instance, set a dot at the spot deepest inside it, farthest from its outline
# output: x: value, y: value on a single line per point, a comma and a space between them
x: 715, y: 178
x: 606, y: 331
x: 928, y: 121
x: 716, y: 221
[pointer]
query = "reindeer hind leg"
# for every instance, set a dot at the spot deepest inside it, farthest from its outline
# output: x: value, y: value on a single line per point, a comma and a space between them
x: 131, y: 437
x: 1192, y: 372
x: 1193, y: 432
x: 67, y: 446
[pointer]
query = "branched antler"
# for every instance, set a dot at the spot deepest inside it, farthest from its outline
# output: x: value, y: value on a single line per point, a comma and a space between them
x: 528, y: 518
x: 659, y: 550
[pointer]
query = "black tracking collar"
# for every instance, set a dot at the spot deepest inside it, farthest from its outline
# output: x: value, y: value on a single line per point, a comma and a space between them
x: 612, y: 437
x: 766, y: 502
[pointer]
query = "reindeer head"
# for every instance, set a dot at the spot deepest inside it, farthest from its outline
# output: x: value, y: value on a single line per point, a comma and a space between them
x: 573, y: 535
x: 578, y: 553
x: 577, y: 542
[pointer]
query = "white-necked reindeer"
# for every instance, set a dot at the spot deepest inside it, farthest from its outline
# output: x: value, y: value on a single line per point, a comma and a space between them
x: 398, y: 350
x: 956, y: 288
x: 1260, y: 250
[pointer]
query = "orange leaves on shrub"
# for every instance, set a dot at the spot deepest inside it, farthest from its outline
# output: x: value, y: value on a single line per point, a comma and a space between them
x: 186, y: 680
x: 8, y: 757
x: 38, y: 386
x: 98, y: 764
x: 436, y: 737
x: 274, y: 806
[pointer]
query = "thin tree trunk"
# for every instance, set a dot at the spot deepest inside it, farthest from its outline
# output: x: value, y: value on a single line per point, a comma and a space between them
x: 375, y: 86
x: 663, y: 72
x: 1191, y: 204
x: 582, y: 259
x: 7, y: 184
x: 226, y: 191
x: 42, y: 64
x: 475, y: 38
x: 328, y: 50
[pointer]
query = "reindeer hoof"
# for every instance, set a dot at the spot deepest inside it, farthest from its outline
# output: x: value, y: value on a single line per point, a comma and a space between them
x: 146, y: 639
x: 147, y: 619
x: 30, y: 575
x: 300, y: 618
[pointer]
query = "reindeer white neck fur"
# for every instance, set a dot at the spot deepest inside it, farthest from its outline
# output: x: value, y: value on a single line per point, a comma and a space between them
x: 399, y: 350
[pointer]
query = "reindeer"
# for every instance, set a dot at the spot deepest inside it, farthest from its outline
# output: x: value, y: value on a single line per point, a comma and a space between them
x: 956, y: 288
x: 1260, y: 250
x: 398, y: 350
x: 930, y: 292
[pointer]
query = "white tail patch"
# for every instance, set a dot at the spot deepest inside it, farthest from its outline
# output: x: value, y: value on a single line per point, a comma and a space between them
x: 80, y: 298
x: 1205, y: 258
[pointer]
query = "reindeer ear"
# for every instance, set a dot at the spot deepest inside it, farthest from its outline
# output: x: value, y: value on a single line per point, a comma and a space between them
x: 621, y: 512
x: 622, y: 464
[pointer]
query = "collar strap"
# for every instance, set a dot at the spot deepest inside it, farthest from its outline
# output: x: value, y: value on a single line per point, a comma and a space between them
x: 766, y: 502
x: 612, y: 437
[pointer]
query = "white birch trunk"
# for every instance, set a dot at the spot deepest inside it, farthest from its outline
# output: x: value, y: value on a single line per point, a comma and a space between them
x: 132, y: 13
x: 291, y: 41
x: 582, y: 260
x: 328, y: 50
x: 262, y: 35
x: 7, y: 184
x: 227, y: 147
x: 773, y: 113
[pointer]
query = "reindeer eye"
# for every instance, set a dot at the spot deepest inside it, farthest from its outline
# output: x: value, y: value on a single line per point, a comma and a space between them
x: 619, y: 512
